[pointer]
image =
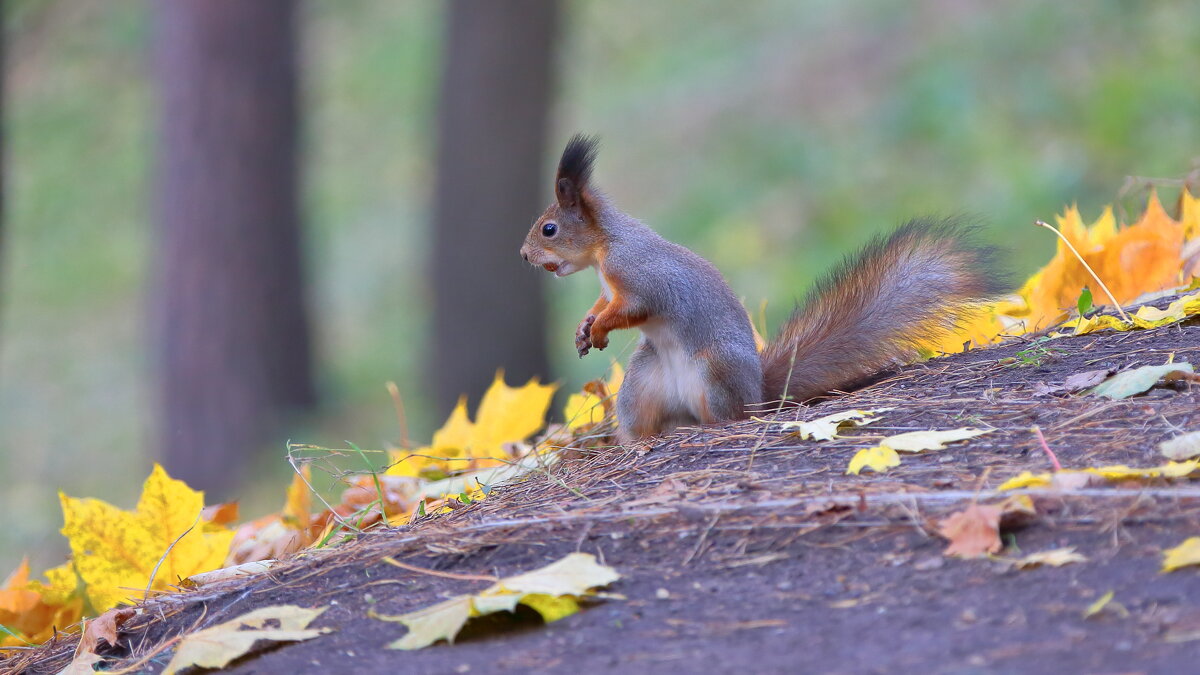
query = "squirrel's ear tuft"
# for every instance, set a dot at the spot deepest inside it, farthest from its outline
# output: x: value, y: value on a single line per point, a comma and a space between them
x: 575, y: 170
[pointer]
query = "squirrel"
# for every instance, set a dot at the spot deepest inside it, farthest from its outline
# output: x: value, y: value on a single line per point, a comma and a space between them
x: 697, y: 360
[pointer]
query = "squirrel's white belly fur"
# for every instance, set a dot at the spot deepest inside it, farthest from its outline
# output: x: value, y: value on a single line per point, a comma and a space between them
x: 682, y: 382
x: 680, y: 375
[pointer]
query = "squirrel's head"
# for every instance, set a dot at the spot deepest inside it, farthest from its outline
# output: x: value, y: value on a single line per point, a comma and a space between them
x: 566, y: 238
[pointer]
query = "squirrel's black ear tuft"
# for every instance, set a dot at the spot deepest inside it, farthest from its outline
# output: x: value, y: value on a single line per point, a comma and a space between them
x: 575, y: 170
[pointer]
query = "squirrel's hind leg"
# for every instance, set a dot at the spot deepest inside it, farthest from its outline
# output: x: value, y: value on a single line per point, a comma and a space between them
x: 730, y: 385
x: 642, y: 405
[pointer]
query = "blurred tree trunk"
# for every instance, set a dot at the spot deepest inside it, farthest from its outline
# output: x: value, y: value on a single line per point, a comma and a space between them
x: 493, y: 109
x: 232, y: 334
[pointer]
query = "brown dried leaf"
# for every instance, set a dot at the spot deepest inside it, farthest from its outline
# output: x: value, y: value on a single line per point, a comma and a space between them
x: 972, y: 532
x: 1085, y: 379
x: 103, y: 627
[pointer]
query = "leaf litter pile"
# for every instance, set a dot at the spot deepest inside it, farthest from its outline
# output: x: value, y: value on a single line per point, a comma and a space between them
x: 1029, y: 507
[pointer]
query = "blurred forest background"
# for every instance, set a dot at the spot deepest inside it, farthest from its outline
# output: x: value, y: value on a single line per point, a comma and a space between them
x: 229, y: 224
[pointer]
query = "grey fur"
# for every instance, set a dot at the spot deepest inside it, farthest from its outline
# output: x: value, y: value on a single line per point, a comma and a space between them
x: 691, y: 317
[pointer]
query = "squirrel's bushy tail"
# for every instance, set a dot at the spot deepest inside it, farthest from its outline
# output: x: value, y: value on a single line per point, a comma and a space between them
x: 878, y: 307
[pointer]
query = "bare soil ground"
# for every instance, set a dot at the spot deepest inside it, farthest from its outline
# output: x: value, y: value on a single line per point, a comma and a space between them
x: 743, y: 548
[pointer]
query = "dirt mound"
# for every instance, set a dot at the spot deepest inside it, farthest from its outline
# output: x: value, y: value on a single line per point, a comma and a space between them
x: 744, y: 548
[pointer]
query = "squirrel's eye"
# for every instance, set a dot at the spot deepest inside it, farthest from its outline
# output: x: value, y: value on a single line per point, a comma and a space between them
x: 549, y: 229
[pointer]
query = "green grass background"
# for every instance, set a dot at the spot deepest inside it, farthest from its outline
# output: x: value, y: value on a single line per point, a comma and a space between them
x: 771, y: 136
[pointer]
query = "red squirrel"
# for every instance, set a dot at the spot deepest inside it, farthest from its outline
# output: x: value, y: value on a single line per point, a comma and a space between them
x: 697, y: 362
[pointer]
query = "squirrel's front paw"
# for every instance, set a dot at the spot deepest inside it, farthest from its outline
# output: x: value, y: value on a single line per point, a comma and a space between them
x: 583, y: 335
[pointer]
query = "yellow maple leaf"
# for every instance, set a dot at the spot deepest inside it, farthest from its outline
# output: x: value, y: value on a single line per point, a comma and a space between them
x: 879, y: 459
x: 297, y: 510
x: 885, y: 455
x: 61, y: 585
x: 1133, y: 260
x: 116, y: 551
x: 553, y: 591
x: 450, y: 442
x: 1183, y: 555
x: 1168, y: 470
x: 1145, y: 317
x: 587, y: 407
x: 1189, y: 214
x: 1068, y: 479
x: 217, y: 646
x: 930, y: 439
x: 505, y: 415
x: 454, y: 437
x: 1026, y: 479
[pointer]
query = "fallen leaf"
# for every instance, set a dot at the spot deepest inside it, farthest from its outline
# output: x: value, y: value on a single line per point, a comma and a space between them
x: 1104, y: 602
x: 1025, y: 479
x: 115, y: 552
x: 1074, y: 383
x: 32, y: 611
x: 826, y: 428
x: 595, y: 402
x: 215, y: 647
x: 1085, y: 379
x: 17, y: 602
x: 920, y: 441
x: 227, y: 573
x: 1183, y: 446
x: 1146, y: 316
x: 1073, y: 479
x: 972, y: 532
x: 553, y: 591
x: 508, y: 414
x: 297, y: 509
x: 1138, y: 380
x: 884, y: 456
x: 103, y: 627
x: 1064, y: 480
x: 1021, y: 505
x: 1017, y: 511
x: 1054, y: 558
x: 220, y: 514
x: 505, y: 415
x: 1147, y: 256
x: 879, y: 459
x: 1168, y: 470
x: 83, y: 664
x: 1133, y: 260
x: 1183, y: 555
